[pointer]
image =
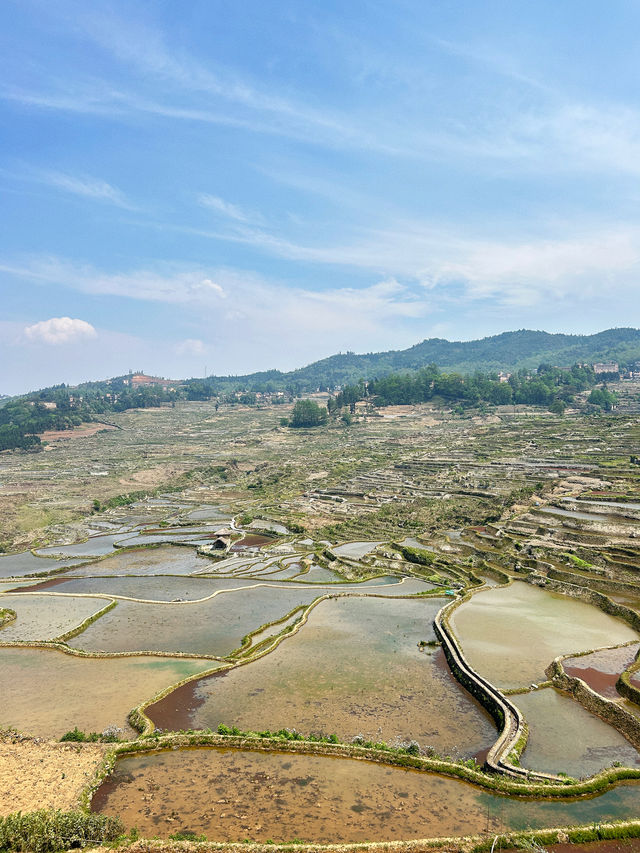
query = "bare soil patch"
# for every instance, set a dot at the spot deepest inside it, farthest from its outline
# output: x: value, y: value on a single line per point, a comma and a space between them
x: 36, y: 774
x: 83, y: 431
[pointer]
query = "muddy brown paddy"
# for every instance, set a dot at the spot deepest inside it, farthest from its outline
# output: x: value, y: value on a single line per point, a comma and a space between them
x: 231, y: 795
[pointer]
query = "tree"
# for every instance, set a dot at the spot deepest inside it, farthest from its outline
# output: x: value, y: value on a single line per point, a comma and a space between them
x: 306, y: 413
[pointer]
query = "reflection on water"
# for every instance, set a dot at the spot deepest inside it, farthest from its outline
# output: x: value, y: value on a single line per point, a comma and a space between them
x: 511, y: 634
x: 600, y: 670
x: 233, y: 795
x: 165, y: 560
x: 93, y: 547
x: 45, y: 617
x: 17, y: 565
x: 355, y: 549
x: 214, y: 627
x: 354, y: 669
x: 565, y: 738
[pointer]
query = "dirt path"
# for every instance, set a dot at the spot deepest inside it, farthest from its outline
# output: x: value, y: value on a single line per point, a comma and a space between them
x: 37, y: 774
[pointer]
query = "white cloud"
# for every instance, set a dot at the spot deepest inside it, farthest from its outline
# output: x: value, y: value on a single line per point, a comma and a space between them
x: 211, y: 286
x: 191, y: 346
x: 173, y: 285
x: 60, y: 330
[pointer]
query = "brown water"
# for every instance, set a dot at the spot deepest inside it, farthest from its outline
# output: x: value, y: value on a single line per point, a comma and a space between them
x: 354, y: 669
x: 231, y: 795
x: 600, y: 670
x: 565, y: 738
x: 46, y: 692
x: 511, y: 634
x: 45, y: 617
x: 214, y: 627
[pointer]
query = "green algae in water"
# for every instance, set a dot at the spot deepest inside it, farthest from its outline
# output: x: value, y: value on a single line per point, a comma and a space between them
x: 46, y: 692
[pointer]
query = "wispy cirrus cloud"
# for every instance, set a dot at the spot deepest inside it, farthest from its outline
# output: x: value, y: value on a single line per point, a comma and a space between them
x: 229, y: 210
x: 87, y: 187
x: 576, y: 259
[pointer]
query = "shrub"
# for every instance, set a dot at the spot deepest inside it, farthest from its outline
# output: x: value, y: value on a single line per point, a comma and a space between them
x: 48, y: 830
x: 74, y: 735
x: 187, y: 835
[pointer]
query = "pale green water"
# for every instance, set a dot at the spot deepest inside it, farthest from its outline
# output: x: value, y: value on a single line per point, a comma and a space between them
x: 565, y: 737
x: 46, y: 692
x: 511, y: 634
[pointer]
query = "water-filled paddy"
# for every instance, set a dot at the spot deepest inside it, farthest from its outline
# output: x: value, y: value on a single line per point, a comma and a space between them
x: 355, y: 550
x: 46, y: 692
x: 578, y: 514
x: 164, y: 560
x: 318, y: 574
x: 213, y: 627
x: 601, y: 669
x: 231, y: 795
x: 265, y: 524
x: 45, y: 617
x: 511, y: 634
x: 18, y: 565
x: 94, y: 547
x: 565, y: 738
x: 150, y: 588
x: 354, y: 669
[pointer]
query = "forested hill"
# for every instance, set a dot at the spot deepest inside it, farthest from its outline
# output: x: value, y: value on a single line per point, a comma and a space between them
x: 508, y: 351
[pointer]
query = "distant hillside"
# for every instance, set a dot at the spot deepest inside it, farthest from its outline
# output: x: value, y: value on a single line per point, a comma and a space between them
x: 23, y: 419
x: 507, y: 351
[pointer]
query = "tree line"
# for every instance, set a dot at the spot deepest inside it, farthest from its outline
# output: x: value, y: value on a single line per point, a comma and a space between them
x: 551, y: 387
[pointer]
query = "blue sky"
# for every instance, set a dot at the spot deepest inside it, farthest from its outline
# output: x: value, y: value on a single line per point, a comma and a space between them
x: 255, y: 184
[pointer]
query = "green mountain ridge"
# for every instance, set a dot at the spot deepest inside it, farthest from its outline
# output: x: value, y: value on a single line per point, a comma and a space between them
x: 507, y: 351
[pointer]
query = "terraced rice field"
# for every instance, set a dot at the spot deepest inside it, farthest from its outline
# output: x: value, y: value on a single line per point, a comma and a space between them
x: 532, y: 520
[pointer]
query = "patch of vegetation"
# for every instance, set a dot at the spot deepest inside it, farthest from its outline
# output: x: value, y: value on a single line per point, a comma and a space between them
x: 306, y: 413
x: 48, y: 831
x: 75, y: 735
